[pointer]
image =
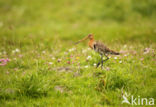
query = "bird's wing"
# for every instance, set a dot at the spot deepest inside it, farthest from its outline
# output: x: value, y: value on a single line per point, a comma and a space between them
x: 100, y: 46
x: 102, y: 49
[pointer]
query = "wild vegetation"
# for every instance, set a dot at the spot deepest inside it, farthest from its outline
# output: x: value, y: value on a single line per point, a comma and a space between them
x: 41, y: 66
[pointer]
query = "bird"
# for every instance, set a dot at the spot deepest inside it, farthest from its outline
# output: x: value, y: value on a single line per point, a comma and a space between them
x: 98, y: 47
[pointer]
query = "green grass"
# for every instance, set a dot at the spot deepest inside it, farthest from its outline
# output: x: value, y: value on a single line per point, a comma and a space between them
x: 50, y: 71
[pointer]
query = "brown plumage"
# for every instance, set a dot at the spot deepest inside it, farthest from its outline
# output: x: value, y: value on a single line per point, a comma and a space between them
x: 99, y: 47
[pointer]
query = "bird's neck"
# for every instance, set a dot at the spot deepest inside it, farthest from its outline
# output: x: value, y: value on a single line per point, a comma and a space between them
x: 91, y: 42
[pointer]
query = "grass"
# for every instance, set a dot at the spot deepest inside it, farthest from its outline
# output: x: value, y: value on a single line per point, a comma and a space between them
x: 46, y: 69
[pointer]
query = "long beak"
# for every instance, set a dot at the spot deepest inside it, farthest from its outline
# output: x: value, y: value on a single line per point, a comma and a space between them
x: 81, y: 40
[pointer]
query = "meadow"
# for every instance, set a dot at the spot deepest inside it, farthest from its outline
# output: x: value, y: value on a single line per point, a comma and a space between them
x: 41, y: 67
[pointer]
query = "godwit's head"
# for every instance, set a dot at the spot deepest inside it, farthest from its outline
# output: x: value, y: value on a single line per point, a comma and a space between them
x: 90, y: 36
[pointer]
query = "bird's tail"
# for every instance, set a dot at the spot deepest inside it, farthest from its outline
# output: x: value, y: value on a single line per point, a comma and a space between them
x: 114, y: 53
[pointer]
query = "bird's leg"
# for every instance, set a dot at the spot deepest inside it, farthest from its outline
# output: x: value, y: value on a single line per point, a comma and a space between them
x: 100, y: 62
x: 105, y: 59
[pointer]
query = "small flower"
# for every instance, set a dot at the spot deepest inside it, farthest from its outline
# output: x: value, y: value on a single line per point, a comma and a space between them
x: 68, y: 62
x: 17, y: 50
x: 94, y: 64
x: 115, y: 58
x: 43, y: 52
x: 77, y: 58
x: 89, y: 57
x: 120, y: 62
x: 65, y: 53
x: 109, y: 57
x: 141, y: 59
x: 20, y: 55
x: 86, y: 66
x: 53, y: 58
x: 3, y: 64
x: 103, y: 58
x: 13, y: 51
x: 125, y: 46
x: 4, y: 52
x: 146, y: 50
x: 0, y: 53
x: 126, y: 55
x: 72, y: 49
x: 107, y: 68
x: 6, y: 60
x: 50, y: 63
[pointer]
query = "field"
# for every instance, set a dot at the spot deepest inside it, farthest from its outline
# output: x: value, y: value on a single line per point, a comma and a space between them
x: 41, y: 67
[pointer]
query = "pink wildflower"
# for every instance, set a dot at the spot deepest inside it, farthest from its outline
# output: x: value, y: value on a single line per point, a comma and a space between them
x: 68, y: 62
x: 107, y: 68
x: 3, y: 62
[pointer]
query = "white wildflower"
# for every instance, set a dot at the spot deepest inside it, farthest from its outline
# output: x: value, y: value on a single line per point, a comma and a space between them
x: 72, y: 49
x: 17, y: 50
x: 13, y: 51
x: 89, y: 57
x: 43, y: 52
x: 125, y: 46
x: 126, y: 55
x: 146, y: 50
x: 94, y: 64
x: 107, y: 68
x: 50, y: 63
x: 86, y: 66
x: 115, y: 58
x: 53, y: 58
x: 4, y: 52
x: 120, y: 62
x: 104, y: 58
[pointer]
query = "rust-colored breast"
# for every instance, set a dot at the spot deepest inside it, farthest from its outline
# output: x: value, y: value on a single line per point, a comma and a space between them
x: 91, y: 43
